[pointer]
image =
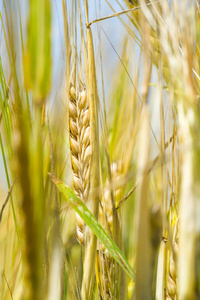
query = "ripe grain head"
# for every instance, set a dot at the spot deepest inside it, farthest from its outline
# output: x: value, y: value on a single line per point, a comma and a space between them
x: 79, y: 136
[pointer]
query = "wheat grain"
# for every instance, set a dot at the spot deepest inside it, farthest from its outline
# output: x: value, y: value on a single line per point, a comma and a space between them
x: 79, y: 136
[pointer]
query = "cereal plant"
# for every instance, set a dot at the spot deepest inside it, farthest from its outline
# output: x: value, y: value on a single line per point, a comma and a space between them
x: 99, y: 149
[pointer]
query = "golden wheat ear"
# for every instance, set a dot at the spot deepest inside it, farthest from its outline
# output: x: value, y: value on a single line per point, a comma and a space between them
x: 79, y: 138
x: 172, y: 276
x: 106, y: 271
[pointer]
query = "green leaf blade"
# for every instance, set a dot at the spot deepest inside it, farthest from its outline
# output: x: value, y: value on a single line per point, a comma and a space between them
x: 93, y: 224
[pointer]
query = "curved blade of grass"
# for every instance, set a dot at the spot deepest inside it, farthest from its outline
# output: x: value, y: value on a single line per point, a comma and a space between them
x: 92, y: 222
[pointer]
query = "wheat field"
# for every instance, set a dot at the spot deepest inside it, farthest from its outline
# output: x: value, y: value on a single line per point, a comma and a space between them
x: 100, y: 149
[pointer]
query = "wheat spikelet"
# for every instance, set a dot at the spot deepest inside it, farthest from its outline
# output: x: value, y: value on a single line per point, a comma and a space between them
x: 105, y: 265
x: 79, y: 136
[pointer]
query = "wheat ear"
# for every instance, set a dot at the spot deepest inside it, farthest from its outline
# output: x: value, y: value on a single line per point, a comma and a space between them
x: 172, y: 277
x: 79, y: 137
x: 105, y: 266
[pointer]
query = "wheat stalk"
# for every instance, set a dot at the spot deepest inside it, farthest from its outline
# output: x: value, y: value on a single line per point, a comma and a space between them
x: 79, y: 136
